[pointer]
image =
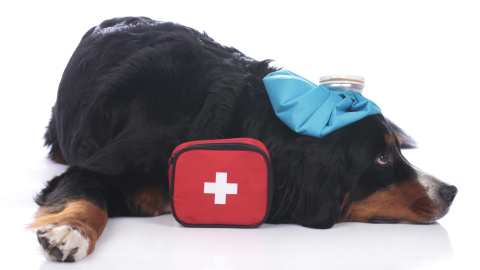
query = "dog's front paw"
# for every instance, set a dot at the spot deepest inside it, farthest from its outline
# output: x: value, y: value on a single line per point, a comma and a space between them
x: 62, y: 243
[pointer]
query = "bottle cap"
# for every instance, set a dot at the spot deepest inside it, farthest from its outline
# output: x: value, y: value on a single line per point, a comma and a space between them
x: 342, y: 78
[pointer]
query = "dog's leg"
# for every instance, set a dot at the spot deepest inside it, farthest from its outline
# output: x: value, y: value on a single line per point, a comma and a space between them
x: 71, y: 234
x: 72, y: 214
x: 150, y: 201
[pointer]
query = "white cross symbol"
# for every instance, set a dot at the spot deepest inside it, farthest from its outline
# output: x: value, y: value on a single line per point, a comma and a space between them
x: 220, y: 188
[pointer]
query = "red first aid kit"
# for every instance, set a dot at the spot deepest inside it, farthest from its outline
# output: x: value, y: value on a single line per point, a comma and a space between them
x: 220, y: 183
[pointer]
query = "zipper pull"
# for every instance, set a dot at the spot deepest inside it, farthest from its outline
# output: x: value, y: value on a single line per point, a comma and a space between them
x: 169, y: 163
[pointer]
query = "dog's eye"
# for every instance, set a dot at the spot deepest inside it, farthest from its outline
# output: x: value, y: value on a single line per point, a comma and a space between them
x: 382, y: 159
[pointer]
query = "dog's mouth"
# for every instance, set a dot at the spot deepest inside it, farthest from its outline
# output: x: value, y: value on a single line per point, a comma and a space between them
x: 383, y: 220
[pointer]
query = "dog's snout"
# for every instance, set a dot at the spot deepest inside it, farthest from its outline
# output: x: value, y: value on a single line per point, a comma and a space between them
x: 448, y: 193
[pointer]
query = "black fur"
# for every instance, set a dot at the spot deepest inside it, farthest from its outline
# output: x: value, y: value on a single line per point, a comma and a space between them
x: 128, y: 97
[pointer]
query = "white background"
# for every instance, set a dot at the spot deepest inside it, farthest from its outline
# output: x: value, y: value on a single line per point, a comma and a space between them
x: 421, y: 64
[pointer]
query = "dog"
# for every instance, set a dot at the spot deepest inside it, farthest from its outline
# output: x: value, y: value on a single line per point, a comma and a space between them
x: 136, y: 88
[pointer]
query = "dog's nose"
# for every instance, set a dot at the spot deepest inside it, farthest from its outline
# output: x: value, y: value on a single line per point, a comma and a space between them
x: 448, y: 193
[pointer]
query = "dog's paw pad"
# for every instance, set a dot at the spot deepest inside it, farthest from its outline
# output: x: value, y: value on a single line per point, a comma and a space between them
x: 62, y: 243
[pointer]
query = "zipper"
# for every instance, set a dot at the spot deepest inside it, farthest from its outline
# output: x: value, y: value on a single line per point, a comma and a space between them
x: 169, y: 160
x: 214, y: 146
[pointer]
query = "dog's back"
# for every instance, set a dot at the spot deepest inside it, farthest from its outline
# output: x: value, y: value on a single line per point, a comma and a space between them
x: 135, y: 78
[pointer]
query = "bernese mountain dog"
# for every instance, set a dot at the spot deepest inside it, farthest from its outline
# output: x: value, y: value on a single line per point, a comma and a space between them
x: 136, y: 88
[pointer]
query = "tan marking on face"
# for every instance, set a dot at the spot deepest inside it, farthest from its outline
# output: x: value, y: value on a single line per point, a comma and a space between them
x: 406, y: 201
x: 88, y: 218
x: 399, y: 141
x: 151, y: 201
x: 389, y: 139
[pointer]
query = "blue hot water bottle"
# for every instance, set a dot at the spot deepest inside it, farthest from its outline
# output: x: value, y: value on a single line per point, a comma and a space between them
x: 311, y: 109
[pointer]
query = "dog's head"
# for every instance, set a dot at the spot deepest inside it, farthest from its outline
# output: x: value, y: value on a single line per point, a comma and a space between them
x: 383, y: 186
x: 358, y: 174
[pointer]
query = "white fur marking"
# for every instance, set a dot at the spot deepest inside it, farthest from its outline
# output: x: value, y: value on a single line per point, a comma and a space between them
x: 432, y: 185
x: 66, y: 239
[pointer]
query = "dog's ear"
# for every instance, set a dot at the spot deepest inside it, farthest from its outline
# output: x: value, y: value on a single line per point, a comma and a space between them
x: 407, y: 141
x: 322, y: 209
x: 321, y: 198
x: 309, y: 175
